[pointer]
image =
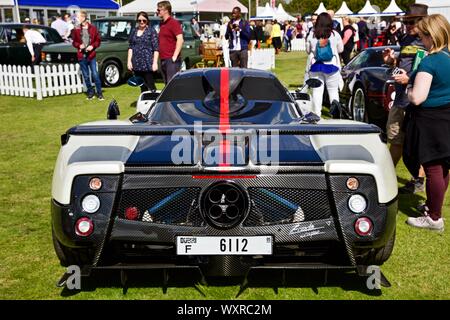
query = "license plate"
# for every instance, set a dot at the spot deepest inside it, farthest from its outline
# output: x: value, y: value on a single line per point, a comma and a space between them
x: 257, y: 245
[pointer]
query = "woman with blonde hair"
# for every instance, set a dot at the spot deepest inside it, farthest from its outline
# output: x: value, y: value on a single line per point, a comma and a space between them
x: 427, y: 130
x: 348, y: 39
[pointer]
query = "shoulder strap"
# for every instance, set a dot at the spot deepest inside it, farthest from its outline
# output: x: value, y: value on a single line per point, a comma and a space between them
x: 448, y: 54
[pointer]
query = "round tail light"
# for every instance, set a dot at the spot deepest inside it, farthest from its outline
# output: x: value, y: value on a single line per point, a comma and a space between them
x: 90, y: 203
x: 357, y: 203
x: 363, y: 226
x: 95, y: 184
x: 84, y: 227
x: 352, y: 183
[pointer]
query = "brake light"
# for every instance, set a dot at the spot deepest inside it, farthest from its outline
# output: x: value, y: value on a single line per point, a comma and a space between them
x: 222, y: 177
x: 363, y: 226
x: 84, y: 227
x: 131, y: 213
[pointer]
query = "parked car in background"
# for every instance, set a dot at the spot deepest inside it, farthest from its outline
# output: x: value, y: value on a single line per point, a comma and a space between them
x: 368, y: 91
x: 113, y: 51
x: 13, y: 47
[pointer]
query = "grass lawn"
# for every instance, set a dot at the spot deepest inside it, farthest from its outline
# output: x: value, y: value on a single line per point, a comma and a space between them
x: 30, y: 139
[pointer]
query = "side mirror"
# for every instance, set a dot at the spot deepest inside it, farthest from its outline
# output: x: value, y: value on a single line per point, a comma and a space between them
x: 139, y: 118
x: 313, y: 83
x: 113, y: 110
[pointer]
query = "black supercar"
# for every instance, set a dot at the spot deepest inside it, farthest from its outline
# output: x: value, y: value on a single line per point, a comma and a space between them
x: 224, y: 175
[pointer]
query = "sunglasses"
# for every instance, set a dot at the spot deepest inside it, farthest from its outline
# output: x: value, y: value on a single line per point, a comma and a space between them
x: 142, y: 20
x: 411, y: 22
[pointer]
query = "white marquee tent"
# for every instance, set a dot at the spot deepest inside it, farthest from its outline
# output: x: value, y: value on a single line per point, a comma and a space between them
x: 392, y: 8
x: 343, y: 10
x: 367, y: 9
x: 266, y: 12
x: 184, y: 6
x: 7, y: 3
x: 282, y: 15
x: 320, y: 9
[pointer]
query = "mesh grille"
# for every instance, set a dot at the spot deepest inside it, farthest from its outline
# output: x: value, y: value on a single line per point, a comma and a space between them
x: 175, y: 206
x: 269, y: 206
x: 282, y: 205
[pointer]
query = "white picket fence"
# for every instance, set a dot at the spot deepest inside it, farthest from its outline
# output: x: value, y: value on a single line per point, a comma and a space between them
x: 46, y: 81
x: 298, y: 45
x: 263, y: 59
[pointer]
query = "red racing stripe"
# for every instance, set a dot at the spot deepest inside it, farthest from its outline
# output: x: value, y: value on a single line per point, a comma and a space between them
x: 224, y: 121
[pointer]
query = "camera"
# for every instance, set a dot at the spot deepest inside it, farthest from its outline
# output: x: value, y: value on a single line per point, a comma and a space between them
x: 85, y: 53
x: 396, y: 71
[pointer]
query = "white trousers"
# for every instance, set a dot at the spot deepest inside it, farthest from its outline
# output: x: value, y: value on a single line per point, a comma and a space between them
x: 226, y: 57
x: 332, y: 82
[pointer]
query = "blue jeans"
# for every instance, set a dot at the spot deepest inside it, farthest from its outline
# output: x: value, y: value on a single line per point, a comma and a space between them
x: 85, y: 65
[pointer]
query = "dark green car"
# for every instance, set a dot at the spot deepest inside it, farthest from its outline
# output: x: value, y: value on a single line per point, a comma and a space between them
x: 113, y: 51
x: 13, y: 47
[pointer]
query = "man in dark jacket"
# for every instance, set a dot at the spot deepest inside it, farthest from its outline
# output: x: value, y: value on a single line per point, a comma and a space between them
x: 238, y: 34
x: 86, y: 39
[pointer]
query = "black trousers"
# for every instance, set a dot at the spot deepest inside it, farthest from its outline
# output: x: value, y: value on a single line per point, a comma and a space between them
x: 37, y: 48
x: 239, y: 58
x: 169, y: 68
x: 149, y: 82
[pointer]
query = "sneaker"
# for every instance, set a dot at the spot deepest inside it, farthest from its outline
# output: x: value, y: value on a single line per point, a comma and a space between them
x: 426, y: 222
x: 100, y: 97
x: 412, y: 186
x: 90, y: 95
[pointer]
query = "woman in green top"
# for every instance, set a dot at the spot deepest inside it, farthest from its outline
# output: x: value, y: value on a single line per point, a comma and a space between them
x: 428, y: 126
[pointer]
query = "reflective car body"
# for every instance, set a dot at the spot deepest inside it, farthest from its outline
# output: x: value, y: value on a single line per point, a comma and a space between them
x: 224, y: 174
x: 368, y: 90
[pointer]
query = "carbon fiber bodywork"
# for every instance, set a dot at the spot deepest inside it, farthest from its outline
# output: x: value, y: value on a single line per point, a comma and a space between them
x: 325, y: 233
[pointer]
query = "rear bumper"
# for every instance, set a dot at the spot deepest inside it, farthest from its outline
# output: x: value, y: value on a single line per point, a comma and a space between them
x: 324, y: 242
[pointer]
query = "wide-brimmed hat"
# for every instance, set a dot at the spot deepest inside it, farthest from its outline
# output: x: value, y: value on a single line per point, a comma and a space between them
x: 416, y: 10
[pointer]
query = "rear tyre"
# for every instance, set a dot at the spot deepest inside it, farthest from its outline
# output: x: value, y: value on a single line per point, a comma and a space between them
x: 70, y: 256
x: 111, y: 73
x: 359, y: 106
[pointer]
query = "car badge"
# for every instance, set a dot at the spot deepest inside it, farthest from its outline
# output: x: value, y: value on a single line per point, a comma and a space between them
x: 59, y: 56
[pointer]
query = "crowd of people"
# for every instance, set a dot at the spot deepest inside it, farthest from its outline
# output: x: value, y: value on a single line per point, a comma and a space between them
x: 418, y: 124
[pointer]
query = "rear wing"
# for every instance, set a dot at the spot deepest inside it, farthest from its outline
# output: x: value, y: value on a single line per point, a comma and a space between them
x: 143, y: 129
